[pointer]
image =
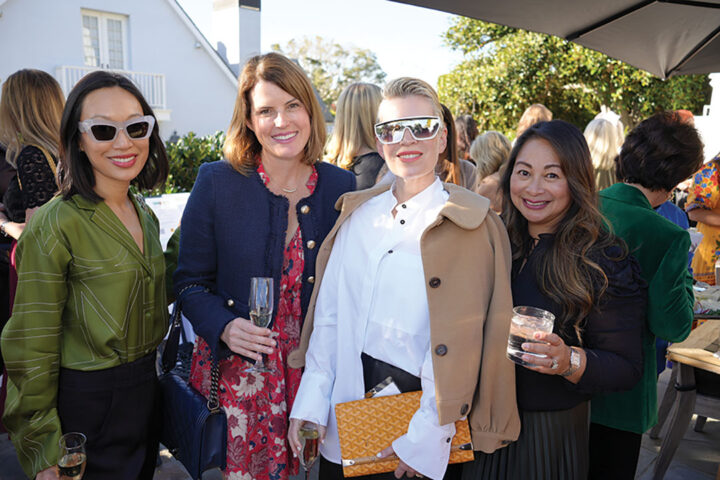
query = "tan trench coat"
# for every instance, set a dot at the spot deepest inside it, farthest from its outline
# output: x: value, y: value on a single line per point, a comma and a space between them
x: 466, y: 259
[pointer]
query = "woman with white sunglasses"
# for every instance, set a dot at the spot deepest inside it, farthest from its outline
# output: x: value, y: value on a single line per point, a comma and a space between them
x: 91, y: 305
x: 390, y: 300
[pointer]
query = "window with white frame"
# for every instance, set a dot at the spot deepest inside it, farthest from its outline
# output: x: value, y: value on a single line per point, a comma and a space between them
x: 104, y: 39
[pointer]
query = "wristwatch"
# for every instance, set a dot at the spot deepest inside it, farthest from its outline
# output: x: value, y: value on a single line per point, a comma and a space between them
x: 574, y: 363
x: 2, y: 227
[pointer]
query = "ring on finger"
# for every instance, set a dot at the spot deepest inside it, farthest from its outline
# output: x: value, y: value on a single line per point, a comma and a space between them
x: 554, y: 364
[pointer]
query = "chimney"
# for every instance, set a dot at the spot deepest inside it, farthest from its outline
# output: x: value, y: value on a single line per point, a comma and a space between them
x: 236, y: 30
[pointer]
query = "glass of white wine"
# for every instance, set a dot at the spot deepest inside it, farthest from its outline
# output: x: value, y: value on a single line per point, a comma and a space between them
x: 261, y: 308
x: 309, y: 437
x: 72, y: 456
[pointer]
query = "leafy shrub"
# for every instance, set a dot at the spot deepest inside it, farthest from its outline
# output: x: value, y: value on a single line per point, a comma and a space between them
x: 185, y: 157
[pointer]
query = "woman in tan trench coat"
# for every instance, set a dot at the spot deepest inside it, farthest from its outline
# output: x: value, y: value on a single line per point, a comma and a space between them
x: 388, y: 295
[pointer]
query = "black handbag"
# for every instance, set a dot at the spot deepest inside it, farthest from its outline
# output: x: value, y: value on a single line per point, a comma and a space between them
x: 194, y: 428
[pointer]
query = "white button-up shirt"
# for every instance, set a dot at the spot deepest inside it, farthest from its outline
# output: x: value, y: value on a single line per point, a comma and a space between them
x: 373, y: 299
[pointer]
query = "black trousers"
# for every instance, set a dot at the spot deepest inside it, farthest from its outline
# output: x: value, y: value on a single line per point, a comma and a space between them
x: 117, y: 410
x: 613, y: 453
x: 333, y: 471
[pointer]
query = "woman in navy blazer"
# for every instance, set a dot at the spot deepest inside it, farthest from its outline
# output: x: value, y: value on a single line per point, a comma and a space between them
x: 262, y: 212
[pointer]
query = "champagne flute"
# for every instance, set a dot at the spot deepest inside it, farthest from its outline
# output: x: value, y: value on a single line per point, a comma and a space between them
x: 72, y: 456
x: 309, y: 436
x: 261, y: 308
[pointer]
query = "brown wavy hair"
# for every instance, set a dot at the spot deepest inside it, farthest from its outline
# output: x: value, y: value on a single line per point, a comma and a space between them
x: 567, y: 275
x: 241, y: 146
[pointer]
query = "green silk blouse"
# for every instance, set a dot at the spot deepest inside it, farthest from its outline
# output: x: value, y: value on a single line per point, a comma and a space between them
x: 87, y: 299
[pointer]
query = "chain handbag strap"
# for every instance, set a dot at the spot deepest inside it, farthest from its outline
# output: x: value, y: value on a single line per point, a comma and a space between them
x: 213, y: 403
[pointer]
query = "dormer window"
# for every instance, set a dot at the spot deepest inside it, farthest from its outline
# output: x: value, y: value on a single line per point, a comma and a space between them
x: 104, y: 39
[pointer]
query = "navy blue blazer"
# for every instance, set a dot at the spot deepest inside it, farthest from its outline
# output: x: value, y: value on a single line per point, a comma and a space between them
x: 233, y: 228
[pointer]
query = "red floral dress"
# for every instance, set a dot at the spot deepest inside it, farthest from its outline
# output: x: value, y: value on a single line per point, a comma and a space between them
x: 257, y: 405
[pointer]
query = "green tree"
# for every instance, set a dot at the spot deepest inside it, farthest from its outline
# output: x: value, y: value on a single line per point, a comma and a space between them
x: 506, y: 69
x: 331, y: 66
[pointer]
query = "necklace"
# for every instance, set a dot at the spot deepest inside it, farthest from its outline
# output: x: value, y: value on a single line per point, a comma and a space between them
x: 289, y: 190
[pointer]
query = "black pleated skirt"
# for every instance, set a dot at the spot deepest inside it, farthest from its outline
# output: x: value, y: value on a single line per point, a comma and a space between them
x: 551, y: 446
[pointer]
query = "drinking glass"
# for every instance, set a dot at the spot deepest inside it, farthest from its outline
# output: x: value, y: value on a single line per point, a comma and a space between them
x: 72, y: 456
x: 525, y: 322
x: 309, y: 436
x: 261, y: 308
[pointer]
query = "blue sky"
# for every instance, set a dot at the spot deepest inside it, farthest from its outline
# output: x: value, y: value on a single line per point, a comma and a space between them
x: 406, y: 39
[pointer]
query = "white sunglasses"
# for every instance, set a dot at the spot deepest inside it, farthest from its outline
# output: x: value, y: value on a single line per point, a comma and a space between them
x: 101, y: 130
x: 421, y: 128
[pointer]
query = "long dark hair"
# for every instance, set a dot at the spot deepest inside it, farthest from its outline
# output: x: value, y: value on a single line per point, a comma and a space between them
x: 75, y: 173
x: 566, y: 274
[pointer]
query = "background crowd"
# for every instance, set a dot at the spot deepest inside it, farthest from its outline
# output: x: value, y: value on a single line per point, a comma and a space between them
x: 397, y: 246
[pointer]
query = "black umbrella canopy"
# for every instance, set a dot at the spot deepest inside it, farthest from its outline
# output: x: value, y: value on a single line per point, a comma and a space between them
x: 663, y: 37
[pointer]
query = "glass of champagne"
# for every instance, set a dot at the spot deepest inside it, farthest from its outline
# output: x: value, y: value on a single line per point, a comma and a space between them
x: 309, y: 437
x: 72, y: 456
x: 261, y: 308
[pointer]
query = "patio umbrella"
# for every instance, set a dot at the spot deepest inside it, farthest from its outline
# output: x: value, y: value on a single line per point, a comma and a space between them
x: 663, y: 37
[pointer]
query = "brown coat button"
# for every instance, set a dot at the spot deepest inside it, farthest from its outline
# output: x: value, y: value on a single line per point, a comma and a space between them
x: 464, y: 409
x: 440, y: 350
x: 311, y: 244
x: 434, y: 282
x: 230, y: 302
x: 311, y: 279
x: 304, y: 209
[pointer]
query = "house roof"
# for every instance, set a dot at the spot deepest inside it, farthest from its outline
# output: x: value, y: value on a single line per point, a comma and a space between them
x: 220, y: 60
x: 204, y: 43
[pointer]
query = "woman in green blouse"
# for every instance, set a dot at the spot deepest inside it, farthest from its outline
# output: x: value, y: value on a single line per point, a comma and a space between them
x: 91, y: 303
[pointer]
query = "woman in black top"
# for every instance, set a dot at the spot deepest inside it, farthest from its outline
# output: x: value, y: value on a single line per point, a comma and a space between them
x: 30, y: 110
x: 352, y: 145
x: 566, y: 262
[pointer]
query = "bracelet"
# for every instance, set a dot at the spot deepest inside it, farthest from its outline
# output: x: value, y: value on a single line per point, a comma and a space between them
x: 574, y: 363
x: 2, y: 227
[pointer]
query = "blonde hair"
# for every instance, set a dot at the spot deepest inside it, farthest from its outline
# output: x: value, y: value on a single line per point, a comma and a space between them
x: 31, y: 108
x: 406, y: 86
x: 535, y: 113
x: 241, y: 146
x: 604, y: 141
x: 356, y: 114
x: 490, y: 152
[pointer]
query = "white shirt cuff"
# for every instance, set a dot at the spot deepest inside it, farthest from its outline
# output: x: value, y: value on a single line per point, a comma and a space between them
x: 311, y: 401
x: 426, y: 446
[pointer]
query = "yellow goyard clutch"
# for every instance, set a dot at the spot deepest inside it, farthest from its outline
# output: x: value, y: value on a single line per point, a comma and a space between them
x: 370, y: 425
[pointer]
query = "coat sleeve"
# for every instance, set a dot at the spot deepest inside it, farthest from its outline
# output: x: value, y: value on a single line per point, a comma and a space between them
x: 495, y: 416
x: 31, y: 347
x: 670, y: 293
x: 196, y: 272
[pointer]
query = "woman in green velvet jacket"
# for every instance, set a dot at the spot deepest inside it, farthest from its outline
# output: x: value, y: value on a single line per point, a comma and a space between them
x: 657, y: 155
x: 91, y: 305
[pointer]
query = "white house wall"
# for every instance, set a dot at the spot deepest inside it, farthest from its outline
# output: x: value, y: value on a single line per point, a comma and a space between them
x: 46, y: 34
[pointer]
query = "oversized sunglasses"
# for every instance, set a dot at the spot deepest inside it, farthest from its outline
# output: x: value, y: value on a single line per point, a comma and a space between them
x: 138, y: 128
x: 421, y: 128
